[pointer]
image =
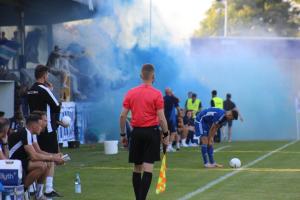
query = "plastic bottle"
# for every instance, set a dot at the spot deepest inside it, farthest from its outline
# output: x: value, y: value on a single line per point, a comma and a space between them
x: 77, y: 184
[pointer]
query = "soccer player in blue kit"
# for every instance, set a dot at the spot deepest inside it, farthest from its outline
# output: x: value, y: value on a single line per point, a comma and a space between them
x: 207, y: 123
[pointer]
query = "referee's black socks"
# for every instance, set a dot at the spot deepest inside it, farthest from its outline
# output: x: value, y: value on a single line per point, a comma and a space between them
x: 145, y: 185
x: 136, y: 182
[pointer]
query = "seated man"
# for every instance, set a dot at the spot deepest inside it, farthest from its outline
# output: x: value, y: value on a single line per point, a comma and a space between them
x: 33, y: 163
x: 189, y: 129
x: 16, y: 123
x: 4, y: 127
x: 49, y: 191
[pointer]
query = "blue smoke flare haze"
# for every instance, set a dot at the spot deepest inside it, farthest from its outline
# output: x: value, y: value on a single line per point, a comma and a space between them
x: 117, y: 42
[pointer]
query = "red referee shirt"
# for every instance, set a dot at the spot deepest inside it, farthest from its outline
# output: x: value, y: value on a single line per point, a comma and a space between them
x: 144, y: 101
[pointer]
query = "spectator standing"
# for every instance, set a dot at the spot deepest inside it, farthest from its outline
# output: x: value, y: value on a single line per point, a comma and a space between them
x: 54, y: 65
x: 3, y: 36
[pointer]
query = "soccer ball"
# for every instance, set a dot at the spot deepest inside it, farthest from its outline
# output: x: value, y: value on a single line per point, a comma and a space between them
x: 235, y: 163
x: 66, y: 120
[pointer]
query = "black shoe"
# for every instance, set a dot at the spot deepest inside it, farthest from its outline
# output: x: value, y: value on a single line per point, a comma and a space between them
x: 52, y: 194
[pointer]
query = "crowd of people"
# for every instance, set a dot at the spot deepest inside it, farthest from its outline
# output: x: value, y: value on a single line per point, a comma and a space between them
x: 181, y: 121
x: 60, y: 63
x: 34, y: 141
x: 65, y: 64
x: 71, y: 66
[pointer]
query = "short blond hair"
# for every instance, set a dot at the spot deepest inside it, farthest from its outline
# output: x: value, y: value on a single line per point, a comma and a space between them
x: 147, y: 71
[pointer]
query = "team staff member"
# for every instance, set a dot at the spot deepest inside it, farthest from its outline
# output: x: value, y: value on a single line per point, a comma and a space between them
x: 147, y: 107
x: 216, y: 102
x: 194, y: 105
x: 41, y: 98
x: 189, y: 94
x: 49, y: 191
x: 33, y: 163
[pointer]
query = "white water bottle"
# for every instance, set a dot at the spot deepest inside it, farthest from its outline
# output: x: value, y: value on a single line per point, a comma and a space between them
x: 77, y: 184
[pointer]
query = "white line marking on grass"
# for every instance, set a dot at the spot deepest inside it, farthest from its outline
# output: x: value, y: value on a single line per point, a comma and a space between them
x: 226, y: 176
x: 221, y: 148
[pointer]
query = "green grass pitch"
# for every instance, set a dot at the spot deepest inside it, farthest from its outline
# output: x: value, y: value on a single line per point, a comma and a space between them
x: 108, y: 177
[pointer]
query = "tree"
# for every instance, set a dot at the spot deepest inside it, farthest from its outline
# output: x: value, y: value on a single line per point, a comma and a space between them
x: 252, y: 18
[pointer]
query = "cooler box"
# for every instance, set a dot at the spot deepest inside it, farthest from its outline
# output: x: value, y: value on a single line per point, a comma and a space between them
x: 13, y: 192
x: 10, y: 172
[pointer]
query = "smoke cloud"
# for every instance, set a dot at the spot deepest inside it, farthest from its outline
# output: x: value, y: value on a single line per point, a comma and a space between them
x: 117, y: 43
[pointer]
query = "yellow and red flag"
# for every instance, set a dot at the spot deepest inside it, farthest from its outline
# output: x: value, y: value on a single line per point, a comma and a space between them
x: 162, y: 179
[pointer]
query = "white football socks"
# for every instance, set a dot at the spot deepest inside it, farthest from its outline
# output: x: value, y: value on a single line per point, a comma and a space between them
x: 49, y: 184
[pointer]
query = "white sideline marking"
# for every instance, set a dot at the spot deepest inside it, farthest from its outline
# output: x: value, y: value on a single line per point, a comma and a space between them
x: 222, y: 178
x: 221, y: 148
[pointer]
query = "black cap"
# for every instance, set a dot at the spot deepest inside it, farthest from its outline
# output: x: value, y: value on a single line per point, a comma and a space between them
x: 2, y: 114
x: 194, y: 95
x: 235, y: 114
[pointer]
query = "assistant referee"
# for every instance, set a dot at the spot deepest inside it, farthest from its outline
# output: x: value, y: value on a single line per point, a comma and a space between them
x: 147, y: 107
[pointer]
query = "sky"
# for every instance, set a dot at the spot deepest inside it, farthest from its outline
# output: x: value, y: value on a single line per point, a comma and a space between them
x: 186, y: 13
x: 175, y: 19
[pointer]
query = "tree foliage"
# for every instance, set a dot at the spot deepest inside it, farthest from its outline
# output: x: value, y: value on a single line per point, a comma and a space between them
x: 252, y: 18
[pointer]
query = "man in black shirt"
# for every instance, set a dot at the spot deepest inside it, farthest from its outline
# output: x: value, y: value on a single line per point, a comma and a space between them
x: 171, y: 103
x: 41, y: 98
x: 49, y: 191
x: 230, y: 105
x: 33, y: 163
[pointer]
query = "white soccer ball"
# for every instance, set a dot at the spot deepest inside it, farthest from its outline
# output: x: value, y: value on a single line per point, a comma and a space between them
x: 235, y: 163
x: 66, y: 120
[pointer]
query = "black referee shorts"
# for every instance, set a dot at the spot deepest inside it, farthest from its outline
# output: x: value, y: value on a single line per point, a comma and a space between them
x: 48, y: 142
x: 144, y: 145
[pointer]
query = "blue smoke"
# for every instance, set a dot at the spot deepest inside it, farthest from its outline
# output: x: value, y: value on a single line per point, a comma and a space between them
x: 258, y: 83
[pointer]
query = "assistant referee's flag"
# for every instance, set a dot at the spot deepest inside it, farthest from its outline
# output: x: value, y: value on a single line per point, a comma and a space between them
x: 162, y: 179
